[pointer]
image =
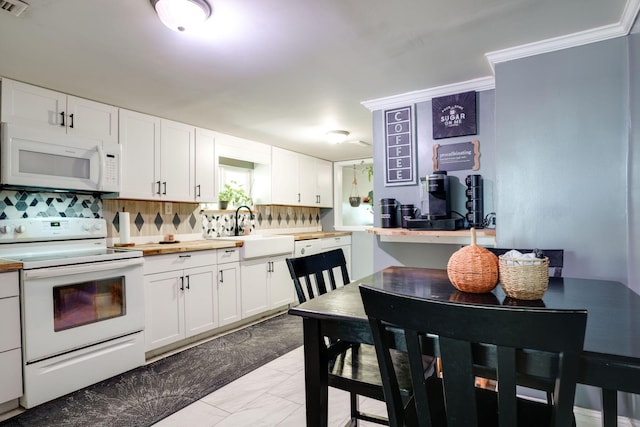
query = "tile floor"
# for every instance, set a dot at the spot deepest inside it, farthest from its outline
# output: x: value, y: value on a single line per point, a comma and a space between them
x: 270, y: 396
x: 273, y: 396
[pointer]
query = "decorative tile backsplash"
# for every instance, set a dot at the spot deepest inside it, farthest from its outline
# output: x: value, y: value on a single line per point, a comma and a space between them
x: 16, y: 204
x: 148, y: 218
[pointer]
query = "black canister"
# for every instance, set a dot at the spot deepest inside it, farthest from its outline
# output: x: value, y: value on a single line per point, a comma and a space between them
x: 388, y: 213
x: 407, y: 212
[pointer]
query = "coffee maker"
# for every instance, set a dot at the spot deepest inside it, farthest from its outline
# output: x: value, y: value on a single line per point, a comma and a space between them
x: 435, y: 204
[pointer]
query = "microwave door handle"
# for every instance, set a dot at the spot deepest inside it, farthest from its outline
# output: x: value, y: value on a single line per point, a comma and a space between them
x: 82, y: 268
x: 102, y: 167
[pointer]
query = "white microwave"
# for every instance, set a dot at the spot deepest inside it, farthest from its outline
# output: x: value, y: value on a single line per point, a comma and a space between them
x: 37, y: 158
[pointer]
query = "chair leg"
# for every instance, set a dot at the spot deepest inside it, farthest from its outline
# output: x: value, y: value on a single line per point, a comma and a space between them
x: 353, y: 422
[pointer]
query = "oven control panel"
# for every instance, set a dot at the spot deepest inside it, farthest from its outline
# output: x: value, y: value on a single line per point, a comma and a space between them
x: 58, y: 228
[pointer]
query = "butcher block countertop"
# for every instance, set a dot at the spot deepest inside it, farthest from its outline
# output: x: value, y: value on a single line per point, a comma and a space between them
x: 318, y: 234
x: 7, y: 265
x: 186, y: 246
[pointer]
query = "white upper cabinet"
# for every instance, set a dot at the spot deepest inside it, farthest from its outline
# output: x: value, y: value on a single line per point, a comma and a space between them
x: 205, y: 166
x: 285, y: 187
x: 158, y: 158
x: 177, y: 159
x: 140, y: 140
x: 36, y: 107
x: 297, y: 179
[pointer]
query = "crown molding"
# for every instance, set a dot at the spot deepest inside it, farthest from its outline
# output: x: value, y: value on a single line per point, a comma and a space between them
x: 404, y: 99
x: 622, y: 28
x: 593, y: 35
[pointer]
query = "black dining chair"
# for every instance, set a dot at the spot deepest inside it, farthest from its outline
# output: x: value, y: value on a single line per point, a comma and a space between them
x: 315, y: 270
x: 352, y: 367
x: 556, y: 258
x: 520, y: 339
x: 556, y: 263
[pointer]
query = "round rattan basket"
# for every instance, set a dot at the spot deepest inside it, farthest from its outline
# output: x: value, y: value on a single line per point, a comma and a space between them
x: 473, y: 268
x: 524, y: 279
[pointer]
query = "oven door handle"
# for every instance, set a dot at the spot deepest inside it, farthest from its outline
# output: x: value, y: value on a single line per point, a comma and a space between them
x: 82, y: 268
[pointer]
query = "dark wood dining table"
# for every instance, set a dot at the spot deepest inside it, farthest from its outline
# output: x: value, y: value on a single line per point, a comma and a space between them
x: 610, y: 359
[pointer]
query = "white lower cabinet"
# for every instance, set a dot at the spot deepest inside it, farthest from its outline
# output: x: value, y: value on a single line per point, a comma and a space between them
x: 10, y: 347
x: 229, y: 296
x: 266, y: 284
x: 181, y: 297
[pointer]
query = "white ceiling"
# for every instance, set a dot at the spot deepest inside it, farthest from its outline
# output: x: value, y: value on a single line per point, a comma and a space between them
x: 282, y: 72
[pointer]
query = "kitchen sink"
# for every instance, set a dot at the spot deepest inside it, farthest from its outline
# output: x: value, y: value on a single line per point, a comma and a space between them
x: 262, y: 245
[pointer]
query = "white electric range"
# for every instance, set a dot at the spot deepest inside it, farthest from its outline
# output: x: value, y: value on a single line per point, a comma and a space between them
x: 82, y: 304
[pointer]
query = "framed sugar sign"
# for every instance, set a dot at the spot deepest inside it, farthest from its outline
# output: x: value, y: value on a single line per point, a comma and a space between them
x: 454, y: 115
x: 400, y: 152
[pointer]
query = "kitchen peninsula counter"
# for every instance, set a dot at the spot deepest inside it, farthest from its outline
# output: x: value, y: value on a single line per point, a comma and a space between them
x: 485, y: 236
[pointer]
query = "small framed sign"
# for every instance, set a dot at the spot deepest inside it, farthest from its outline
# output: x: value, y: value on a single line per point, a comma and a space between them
x: 400, y: 153
x: 456, y: 157
x: 454, y: 115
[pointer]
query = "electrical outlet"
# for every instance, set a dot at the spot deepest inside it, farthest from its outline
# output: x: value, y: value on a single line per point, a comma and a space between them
x: 168, y: 208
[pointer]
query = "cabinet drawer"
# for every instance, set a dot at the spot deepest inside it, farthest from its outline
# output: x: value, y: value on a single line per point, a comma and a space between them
x: 9, y: 284
x: 334, y: 242
x: 228, y: 255
x: 178, y: 261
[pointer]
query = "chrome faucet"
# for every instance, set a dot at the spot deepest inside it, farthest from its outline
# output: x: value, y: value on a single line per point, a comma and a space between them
x: 250, y: 217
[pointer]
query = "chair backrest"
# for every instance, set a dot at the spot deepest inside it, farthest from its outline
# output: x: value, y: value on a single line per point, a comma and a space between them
x: 316, y: 269
x: 557, y: 335
x: 556, y: 258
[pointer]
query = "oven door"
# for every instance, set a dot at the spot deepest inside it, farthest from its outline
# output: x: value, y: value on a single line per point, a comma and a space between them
x: 70, y: 307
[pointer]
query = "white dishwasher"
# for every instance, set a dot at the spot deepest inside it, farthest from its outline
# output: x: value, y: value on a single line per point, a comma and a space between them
x: 307, y: 247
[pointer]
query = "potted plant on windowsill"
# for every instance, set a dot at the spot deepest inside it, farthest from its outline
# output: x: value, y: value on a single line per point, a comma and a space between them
x: 233, y: 194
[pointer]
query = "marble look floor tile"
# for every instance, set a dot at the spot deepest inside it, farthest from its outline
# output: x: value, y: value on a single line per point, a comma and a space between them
x: 244, y: 390
x: 296, y: 419
x: 292, y: 389
x: 197, y: 414
x: 290, y: 363
x: 265, y: 411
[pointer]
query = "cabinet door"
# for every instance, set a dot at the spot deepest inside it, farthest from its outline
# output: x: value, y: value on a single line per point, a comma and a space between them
x: 281, y: 290
x: 201, y: 300
x: 307, y: 180
x: 92, y: 119
x: 284, y: 177
x: 204, y: 165
x: 177, y: 161
x: 11, y: 374
x: 229, y: 307
x: 254, y: 298
x: 140, y: 140
x: 33, y: 106
x: 164, y: 309
x: 324, y: 174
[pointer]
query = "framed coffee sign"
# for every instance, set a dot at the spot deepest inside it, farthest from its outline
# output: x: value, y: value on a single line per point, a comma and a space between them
x: 399, y: 145
x: 454, y: 115
x: 457, y: 157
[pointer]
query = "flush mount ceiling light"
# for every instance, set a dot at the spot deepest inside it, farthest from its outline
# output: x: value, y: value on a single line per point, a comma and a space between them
x: 180, y: 15
x: 337, y: 136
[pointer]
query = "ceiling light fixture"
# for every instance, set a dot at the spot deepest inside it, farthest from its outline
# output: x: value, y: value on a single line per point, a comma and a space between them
x: 337, y: 136
x: 180, y: 15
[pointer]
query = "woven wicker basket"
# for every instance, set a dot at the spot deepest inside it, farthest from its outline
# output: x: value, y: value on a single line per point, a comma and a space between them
x: 524, y: 279
x: 473, y: 268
